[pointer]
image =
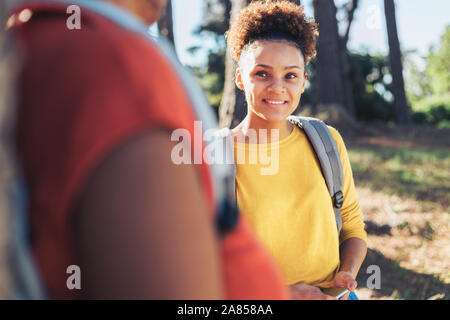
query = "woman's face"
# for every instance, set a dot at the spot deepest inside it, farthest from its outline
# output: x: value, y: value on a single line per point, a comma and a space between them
x: 272, y: 74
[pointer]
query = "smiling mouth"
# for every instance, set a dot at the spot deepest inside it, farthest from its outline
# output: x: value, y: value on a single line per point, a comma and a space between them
x: 275, y: 102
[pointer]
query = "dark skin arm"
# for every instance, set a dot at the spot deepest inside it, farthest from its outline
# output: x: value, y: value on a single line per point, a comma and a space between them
x: 352, y: 254
x: 142, y: 228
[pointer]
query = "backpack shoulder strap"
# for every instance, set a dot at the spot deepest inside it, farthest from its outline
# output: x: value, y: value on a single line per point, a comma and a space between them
x: 327, y: 152
x: 228, y: 213
x: 27, y: 282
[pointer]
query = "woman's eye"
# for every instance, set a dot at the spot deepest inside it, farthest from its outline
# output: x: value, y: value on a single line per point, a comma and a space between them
x: 262, y: 74
x: 291, y: 76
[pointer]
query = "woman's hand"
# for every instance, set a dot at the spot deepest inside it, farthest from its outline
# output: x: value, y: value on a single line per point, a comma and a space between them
x: 344, y: 279
x: 303, y: 291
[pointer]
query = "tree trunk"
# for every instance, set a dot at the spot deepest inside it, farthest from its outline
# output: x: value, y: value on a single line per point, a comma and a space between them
x: 401, y: 108
x: 330, y: 87
x: 349, y: 102
x: 232, y: 109
x: 165, y: 24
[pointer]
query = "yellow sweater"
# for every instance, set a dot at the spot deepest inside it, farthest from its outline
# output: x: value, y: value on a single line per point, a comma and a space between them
x: 291, y: 210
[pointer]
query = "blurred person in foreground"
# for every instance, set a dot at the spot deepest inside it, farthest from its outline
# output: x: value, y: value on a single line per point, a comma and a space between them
x: 290, y: 210
x: 5, y: 169
x: 95, y: 110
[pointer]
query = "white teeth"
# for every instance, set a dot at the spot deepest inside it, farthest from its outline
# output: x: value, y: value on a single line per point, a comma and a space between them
x: 275, y: 101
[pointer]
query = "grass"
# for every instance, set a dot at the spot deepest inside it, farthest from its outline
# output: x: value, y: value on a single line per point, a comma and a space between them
x: 420, y: 174
x: 423, y: 177
x: 402, y: 177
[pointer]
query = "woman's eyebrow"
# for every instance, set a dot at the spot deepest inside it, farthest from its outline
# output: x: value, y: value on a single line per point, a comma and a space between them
x: 263, y: 66
x: 292, y: 67
x: 269, y: 67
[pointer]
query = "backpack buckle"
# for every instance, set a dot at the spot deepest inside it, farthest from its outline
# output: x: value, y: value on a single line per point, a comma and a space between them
x: 338, y: 199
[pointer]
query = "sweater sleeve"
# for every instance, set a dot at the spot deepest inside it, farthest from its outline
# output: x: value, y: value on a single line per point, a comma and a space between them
x: 352, y: 217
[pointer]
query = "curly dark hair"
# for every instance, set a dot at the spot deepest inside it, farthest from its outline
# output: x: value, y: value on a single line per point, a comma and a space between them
x: 273, y: 20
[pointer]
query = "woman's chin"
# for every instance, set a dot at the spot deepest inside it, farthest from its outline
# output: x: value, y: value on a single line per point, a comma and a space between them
x: 274, y: 116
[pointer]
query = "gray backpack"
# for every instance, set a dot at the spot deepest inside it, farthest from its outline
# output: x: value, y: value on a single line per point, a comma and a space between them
x: 327, y: 152
x: 330, y: 161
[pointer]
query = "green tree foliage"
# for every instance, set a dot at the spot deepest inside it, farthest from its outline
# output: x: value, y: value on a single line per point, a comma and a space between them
x: 429, y: 89
x: 216, y: 16
x: 370, y: 82
x: 438, y: 66
x: 371, y: 85
x: 212, y: 76
x: 417, y: 81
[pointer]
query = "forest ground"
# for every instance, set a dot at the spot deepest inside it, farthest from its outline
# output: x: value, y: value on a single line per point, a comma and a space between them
x: 402, y: 175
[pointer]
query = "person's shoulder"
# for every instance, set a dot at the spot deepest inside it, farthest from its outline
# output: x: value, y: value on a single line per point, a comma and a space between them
x: 336, y: 135
x: 97, y: 38
x: 115, y: 39
x: 116, y: 42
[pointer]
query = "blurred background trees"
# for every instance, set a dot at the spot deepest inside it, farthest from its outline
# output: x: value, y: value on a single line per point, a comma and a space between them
x: 216, y: 21
x: 429, y: 87
x: 394, y: 88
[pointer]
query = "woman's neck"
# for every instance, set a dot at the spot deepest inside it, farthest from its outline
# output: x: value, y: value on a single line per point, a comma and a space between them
x: 254, y: 124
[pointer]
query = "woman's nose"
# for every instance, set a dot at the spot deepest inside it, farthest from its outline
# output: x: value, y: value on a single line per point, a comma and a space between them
x: 277, y: 86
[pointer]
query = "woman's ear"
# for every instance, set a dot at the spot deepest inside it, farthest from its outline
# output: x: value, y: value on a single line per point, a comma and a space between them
x: 238, y: 79
x: 304, y: 82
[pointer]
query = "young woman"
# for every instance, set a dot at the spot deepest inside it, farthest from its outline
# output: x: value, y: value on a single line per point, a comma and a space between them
x: 290, y: 210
